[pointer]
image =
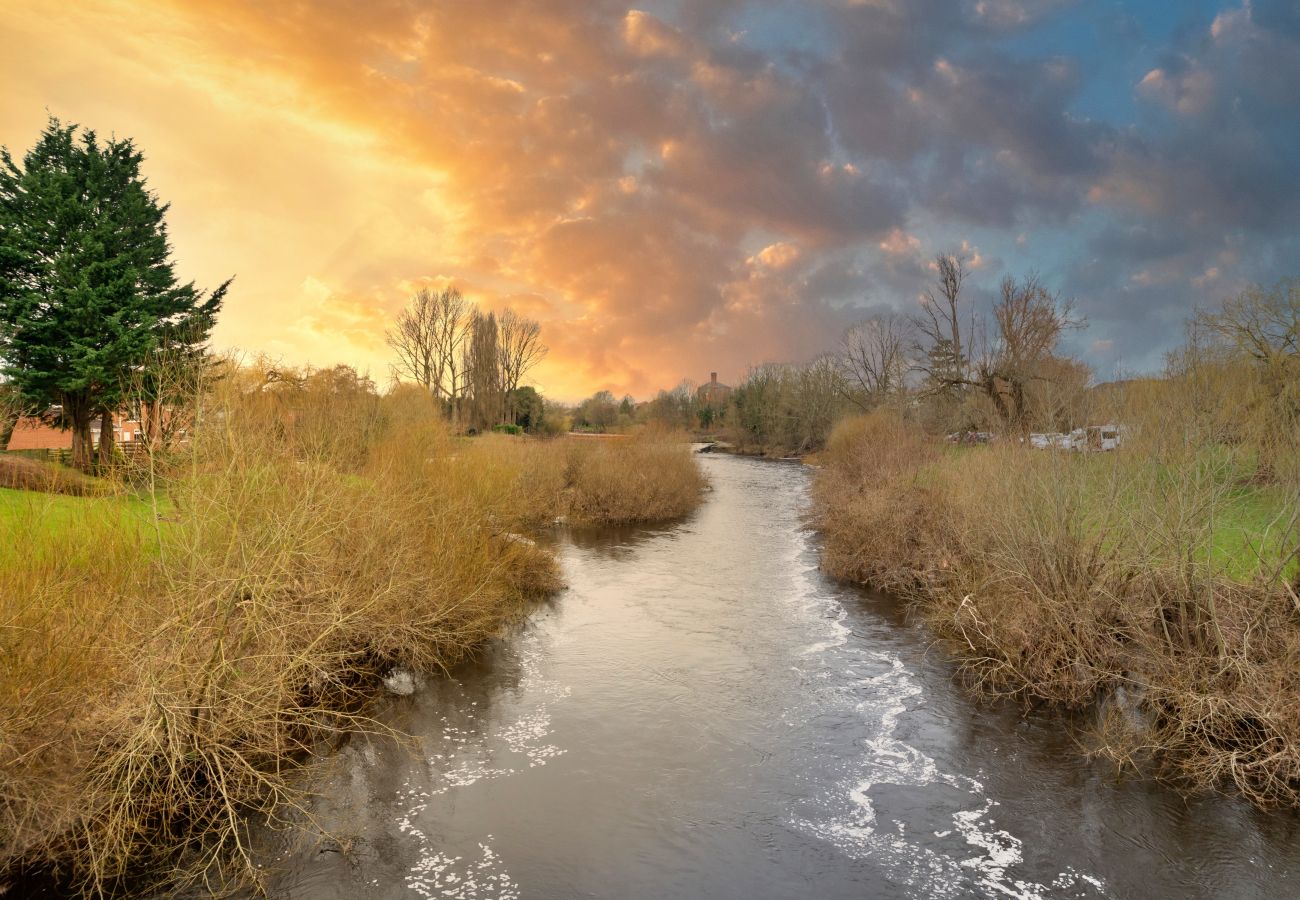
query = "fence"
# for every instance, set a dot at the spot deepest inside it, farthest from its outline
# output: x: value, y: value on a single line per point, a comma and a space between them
x: 123, y: 451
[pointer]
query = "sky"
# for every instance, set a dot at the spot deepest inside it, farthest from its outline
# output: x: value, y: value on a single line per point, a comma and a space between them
x: 675, y: 188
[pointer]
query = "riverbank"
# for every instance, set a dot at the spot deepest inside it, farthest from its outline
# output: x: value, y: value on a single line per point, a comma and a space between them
x: 1163, y: 580
x: 171, y: 656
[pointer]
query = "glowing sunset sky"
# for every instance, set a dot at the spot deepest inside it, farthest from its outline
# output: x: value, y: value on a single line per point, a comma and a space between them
x: 686, y: 186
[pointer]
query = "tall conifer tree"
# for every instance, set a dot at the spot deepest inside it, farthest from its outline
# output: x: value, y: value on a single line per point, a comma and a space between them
x: 87, y: 287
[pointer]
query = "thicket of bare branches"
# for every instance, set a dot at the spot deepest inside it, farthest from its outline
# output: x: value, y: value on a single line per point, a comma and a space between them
x: 782, y: 410
x: 875, y: 357
x: 429, y: 340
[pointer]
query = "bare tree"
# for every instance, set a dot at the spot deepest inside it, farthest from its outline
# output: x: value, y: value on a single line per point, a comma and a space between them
x: 429, y: 339
x: 944, y: 358
x: 1030, y: 321
x: 519, y: 345
x: 414, y: 340
x: 1261, y: 326
x: 482, y: 372
x: 819, y: 391
x: 453, y: 331
x: 874, y: 358
x: 519, y: 348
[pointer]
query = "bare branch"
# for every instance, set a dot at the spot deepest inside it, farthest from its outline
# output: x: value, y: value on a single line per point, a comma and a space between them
x: 874, y: 358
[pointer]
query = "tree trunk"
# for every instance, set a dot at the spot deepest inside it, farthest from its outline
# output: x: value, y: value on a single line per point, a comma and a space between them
x: 77, y: 412
x: 151, y: 412
x: 105, y: 439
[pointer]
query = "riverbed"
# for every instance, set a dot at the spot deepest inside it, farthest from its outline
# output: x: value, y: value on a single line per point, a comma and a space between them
x: 703, y: 714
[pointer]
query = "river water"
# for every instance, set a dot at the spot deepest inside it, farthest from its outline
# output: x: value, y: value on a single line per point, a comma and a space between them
x: 702, y: 714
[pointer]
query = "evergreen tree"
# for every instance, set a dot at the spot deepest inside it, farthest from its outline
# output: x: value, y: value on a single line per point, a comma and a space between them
x: 946, y: 367
x: 88, y: 291
x: 528, y: 407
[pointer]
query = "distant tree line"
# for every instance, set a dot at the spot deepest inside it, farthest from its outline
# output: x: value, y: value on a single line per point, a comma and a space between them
x: 957, y: 369
x: 950, y: 365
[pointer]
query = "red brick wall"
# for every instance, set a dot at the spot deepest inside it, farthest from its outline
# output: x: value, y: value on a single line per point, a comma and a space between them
x: 33, y: 434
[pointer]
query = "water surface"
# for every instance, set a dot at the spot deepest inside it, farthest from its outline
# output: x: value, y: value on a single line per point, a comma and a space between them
x: 703, y: 714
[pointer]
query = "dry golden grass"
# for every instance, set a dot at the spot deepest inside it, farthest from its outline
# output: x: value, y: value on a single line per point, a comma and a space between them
x: 167, y: 662
x: 1064, y: 577
x: 650, y: 476
x: 21, y: 473
x: 159, y: 680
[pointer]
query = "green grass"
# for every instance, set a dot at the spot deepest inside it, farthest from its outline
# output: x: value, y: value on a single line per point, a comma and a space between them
x: 41, y: 517
x: 1249, y: 523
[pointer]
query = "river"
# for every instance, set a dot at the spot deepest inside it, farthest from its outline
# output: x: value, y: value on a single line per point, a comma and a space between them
x: 702, y: 714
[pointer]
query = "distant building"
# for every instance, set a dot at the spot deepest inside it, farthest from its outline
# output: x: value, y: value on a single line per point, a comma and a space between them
x: 31, y: 433
x: 713, y: 394
x: 35, y: 433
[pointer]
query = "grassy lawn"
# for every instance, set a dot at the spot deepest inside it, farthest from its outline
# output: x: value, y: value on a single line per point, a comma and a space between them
x: 1252, y: 516
x: 41, y: 517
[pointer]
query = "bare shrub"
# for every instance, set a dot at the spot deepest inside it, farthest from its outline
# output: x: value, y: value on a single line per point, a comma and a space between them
x: 161, y: 680
x: 649, y: 476
x: 1073, y: 577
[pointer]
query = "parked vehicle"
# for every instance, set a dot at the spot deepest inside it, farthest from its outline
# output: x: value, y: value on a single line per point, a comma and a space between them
x: 1093, y: 437
x: 971, y: 437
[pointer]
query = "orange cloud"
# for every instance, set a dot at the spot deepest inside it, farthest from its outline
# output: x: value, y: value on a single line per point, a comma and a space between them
x: 335, y: 158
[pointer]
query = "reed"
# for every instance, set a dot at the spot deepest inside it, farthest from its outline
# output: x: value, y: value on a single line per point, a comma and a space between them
x: 649, y: 476
x: 166, y: 663
x: 1160, y: 574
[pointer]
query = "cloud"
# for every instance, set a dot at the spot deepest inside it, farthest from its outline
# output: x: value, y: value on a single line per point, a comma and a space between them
x: 1189, y: 91
x: 678, y: 189
x: 899, y: 243
x: 647, y: 36
x: 776, y: 256
x: 1016, y: 13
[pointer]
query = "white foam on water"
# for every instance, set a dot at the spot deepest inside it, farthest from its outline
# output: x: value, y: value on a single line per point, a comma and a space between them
x: 473, y: 756
x: 439, y: 875
x: 852, y: 823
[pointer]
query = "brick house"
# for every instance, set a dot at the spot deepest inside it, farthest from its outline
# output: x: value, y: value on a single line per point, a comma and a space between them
x: 34, y: 433
x: 713, y: 394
